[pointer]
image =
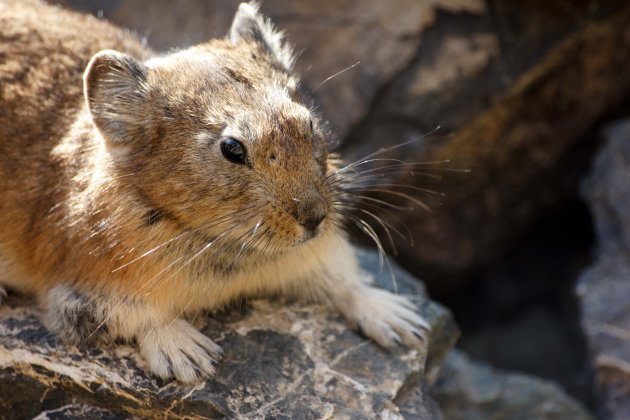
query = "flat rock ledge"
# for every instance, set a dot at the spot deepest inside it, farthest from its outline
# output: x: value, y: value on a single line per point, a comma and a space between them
x: 281, y: 361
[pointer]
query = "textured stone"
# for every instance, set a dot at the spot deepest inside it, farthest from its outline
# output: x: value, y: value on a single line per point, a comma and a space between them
x: 502, y: 87
x: 604, y: 288
x: 281, y: 361
x: 468, y: 390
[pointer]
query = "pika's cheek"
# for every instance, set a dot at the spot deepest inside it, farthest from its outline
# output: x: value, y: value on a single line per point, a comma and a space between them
x: 282, y: 230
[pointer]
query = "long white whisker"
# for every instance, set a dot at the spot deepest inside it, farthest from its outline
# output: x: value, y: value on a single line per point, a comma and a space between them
x: 149, y: 252
x: 388, y: 149
x: 400, y: 194
x: 335, y: 75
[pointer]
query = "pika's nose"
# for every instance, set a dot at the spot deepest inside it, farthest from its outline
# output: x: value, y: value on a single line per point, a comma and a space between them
x: 310, y: 210
x: 311, y: 222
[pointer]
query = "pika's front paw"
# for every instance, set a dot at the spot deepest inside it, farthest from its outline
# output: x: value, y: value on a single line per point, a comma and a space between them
x: 181, y: 351
x: 387, y: 318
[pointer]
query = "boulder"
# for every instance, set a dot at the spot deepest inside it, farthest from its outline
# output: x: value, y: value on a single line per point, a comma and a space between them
x: 604, y: 288
x: 511, y: 113
x: 282, y: 360
x: 469, y: 390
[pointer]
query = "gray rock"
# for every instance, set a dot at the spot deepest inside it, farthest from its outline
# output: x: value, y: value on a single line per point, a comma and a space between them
x: 604, y: 288
x: 468, y: 390
x: 281, y: 361
x: 501, y: 85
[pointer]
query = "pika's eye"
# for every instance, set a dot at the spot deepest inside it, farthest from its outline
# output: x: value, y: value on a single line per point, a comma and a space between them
x: 233, y: 150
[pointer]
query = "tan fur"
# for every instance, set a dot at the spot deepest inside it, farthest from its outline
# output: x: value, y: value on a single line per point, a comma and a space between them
x: 118, y: 205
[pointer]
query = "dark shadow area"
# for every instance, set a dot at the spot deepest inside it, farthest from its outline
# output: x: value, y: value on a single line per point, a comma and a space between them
x: 521, y: 313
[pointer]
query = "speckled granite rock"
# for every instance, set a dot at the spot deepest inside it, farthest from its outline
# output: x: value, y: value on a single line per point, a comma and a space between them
x: 282, y: 361
x: 468, y: 390
x: 604, y: 288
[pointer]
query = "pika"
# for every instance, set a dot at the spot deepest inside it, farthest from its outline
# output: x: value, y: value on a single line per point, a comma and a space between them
x: 139, y: 189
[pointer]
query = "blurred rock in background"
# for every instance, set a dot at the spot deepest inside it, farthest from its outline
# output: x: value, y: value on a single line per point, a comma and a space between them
x: 604, y: 289
x: 519, y: 90
x: 474, y: 391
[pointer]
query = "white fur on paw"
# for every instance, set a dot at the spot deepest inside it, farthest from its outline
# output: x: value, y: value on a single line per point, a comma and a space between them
x: 388, y: 319
x: 179, y: 350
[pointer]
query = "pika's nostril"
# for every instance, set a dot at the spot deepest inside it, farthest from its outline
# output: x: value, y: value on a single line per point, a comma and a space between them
x: 309, y: 209
x: 311, y: 223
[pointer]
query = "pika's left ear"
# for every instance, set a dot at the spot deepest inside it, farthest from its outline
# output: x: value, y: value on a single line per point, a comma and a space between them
x: 250, y: 25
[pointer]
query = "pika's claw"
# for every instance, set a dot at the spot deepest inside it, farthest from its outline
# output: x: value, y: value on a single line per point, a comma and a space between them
x: 181, y: 351
x: 387, y: 318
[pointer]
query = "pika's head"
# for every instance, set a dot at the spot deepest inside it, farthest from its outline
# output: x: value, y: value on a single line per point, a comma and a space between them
x: 219, y: 137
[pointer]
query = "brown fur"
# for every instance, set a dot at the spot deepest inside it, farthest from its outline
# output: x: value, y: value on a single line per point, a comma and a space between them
x: 117, y: 200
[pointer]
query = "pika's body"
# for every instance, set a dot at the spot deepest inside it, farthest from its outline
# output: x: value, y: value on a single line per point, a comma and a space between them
x: 136, y: 190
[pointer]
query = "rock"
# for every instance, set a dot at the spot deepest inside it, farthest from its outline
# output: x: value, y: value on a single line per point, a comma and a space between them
x: 604, y: 288
x: 468, y: 390
x: 281, y: 361
x: 517, y: 121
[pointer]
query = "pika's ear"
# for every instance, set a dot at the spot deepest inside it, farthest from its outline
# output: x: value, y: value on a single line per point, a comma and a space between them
x: 115, y: 88
x: 250, y: 25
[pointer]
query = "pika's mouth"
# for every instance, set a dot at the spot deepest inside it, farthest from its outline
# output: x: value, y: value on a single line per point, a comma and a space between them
x: 308, y: 235
x: 312, y: 231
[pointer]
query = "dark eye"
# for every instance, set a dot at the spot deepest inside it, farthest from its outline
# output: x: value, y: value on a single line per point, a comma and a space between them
x: 233, y: 150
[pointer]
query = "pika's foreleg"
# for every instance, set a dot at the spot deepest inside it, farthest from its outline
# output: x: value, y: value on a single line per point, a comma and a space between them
x: 177, y: 349
x: 387, y: 318
x: 171, y: 347
x: 74, y: 316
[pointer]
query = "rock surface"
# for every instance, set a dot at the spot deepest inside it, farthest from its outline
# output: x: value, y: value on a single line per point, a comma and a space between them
x: 520, y: 130
x: 468, y: 390
x: 281, y: 361
x: 604, y: 288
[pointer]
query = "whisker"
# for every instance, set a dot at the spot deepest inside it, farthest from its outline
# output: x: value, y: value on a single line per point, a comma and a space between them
x: 389, y: 224
x: 412, y: 187
x: 387, y: 173
x: 253, y: 233
x: 335, y: 75
x: 149, y: 252
x: 388, y: 149
x: 384, y: 225
x: 409, y: 235
x: 363, y: 162
x: 383, y: 202
x: 155, y: 280
x: 363, y: 225
x: 401, y: 194
x: 183, y: 310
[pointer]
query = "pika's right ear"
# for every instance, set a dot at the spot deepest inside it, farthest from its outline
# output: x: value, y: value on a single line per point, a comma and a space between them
x: 250, y: 25
x: 116, y: 91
